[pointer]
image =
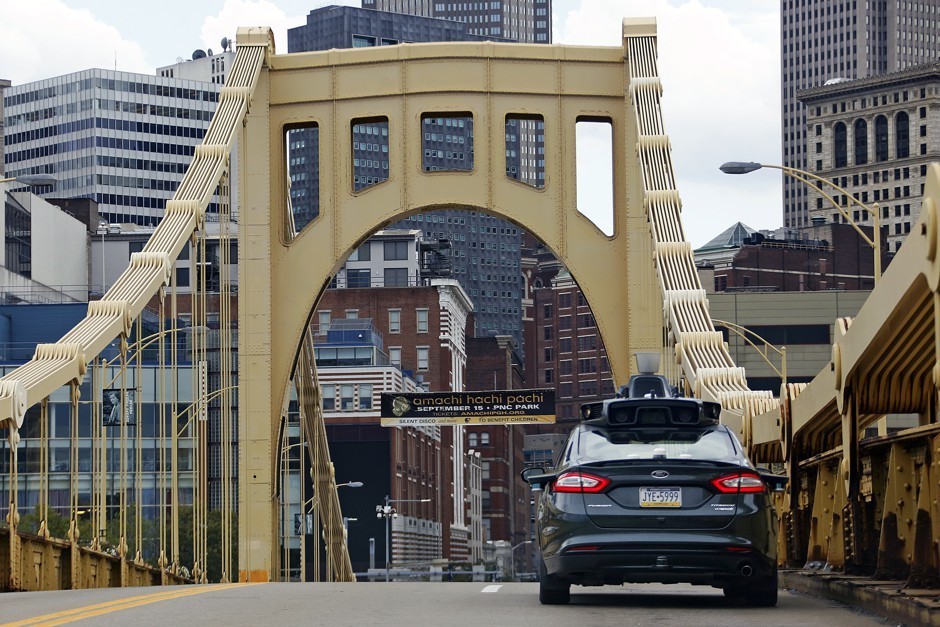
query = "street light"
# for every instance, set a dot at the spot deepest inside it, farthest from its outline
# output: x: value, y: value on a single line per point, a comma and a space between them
x: 744, y: 333
x: 388, y: 512
x: 313, y: 502
x: 746, y: 167
x: 32, y: 179
x: 512, y: 558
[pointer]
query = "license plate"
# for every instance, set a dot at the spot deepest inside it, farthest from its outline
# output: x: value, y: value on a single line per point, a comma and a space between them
x: 660, y: 497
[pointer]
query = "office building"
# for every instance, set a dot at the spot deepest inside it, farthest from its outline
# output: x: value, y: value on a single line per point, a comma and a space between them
x: 4, y: 83
x: 521, y: 20
x: 484, y: 250
x: 204, y: 65
x: 419, y: 330
x: 875, y: 138
x: 827, y: 40
x: 121, y: 139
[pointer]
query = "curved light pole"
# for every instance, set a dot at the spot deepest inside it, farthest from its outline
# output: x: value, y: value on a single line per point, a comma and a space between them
x: 313, y: 502
x: 32, y: 179
x: 808, y: 178
x: 388, y: 512
x: 744, y: 332
x: 512, y: 559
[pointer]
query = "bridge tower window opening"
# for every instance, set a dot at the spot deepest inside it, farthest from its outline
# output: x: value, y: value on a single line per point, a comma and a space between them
x: 595, y: 176
x: 302, y: 159
x: 370, y: 152
x: 525, y: 149
x: 447, y: 142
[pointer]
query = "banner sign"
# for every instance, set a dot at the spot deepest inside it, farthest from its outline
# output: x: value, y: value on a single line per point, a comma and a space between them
x: 498, y: 407
x: 111, y: 407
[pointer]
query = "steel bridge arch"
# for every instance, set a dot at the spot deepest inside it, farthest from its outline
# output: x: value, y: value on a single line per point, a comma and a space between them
x: 287, y: 272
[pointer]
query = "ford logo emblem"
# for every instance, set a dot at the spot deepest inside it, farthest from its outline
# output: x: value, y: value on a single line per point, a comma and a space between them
x: 660, y: 474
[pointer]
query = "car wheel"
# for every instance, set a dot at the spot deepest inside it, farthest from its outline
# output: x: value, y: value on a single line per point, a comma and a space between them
x: 763, y: 594
x: 552, y: 590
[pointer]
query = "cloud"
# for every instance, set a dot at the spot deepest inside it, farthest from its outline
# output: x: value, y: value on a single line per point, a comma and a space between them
x: 721, y: 95
x: 236, y: 13
x: 74, y: 39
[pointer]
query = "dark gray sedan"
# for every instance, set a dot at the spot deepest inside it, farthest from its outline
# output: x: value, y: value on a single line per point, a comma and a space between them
x: 655, y: 490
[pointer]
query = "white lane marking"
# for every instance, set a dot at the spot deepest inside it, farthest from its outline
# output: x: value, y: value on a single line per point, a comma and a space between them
x: 491, y: 589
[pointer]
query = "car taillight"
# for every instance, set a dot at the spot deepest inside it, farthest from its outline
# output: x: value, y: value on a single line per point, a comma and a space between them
x: 739, y: 483
x: 580, y: 482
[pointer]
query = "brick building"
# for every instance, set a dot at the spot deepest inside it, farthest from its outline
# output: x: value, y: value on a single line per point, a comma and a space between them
x: 422, y: 333
x: 496, y: 366
x: 822, y: 257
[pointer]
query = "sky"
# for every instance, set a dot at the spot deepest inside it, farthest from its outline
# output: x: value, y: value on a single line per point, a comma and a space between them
x: 719, y: 66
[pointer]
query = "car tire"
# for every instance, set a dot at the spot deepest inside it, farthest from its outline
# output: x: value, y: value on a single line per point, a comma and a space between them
x: 552, y: 590
x: 763, y: 594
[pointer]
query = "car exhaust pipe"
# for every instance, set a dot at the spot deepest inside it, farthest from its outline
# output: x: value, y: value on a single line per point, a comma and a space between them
x: 746, y: 570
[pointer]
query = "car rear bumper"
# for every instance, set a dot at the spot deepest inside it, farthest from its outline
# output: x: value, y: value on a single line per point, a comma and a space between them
x: 614, y: 564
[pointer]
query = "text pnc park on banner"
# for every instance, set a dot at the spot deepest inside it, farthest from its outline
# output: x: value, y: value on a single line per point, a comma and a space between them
x: 498, y: 407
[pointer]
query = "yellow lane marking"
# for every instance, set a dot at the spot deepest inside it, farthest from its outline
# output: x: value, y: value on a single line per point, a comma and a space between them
x: 88, y: 611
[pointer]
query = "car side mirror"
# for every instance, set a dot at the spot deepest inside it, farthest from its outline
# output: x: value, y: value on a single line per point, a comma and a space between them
x: 536, y: 477
x: 776, y: 483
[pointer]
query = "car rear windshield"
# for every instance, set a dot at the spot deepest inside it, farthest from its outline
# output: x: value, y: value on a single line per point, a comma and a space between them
x: 703, y: 443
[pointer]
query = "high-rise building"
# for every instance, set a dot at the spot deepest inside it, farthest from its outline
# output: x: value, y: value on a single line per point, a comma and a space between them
x: 826, y: 40
x: 119, y: 138
x: 522, y: 20
x: 875, y: 138
x: 484, y: 250
x: 4, y: 83
x: 122, y: 139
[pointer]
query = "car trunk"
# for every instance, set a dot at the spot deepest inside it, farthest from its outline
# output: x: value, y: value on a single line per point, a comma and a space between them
x: 661, y: 495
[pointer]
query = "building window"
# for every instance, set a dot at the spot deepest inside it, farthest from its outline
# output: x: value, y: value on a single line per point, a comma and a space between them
x: 396, y: 277
x: 472, y: 439
x: 902, y: 136
x: 365, y: 396
x: 328, y: 397
x: 549, y: 375
x: 396, y: 251
x: 394, y: 356
x: 352, y: 314
x: 358, y: 278
x: 394, y: 320
x: 861, y: 142
x: 839, y: 148
x: 362, y: 41
x: 363, y: 253
x: 346, y: 398
x: 323, y: 317
x: 421, y: 316
x: 423, y: 357
x: 485, y: 438
x: 881, y: 138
